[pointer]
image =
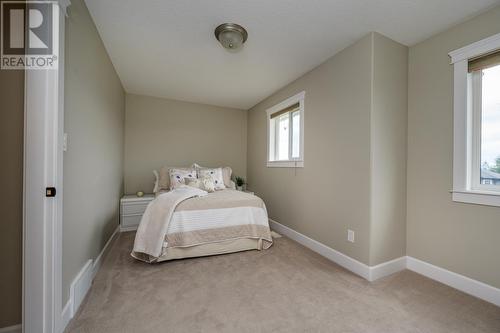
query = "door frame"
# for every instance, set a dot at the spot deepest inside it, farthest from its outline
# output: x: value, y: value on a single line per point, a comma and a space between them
x: 42, y: 216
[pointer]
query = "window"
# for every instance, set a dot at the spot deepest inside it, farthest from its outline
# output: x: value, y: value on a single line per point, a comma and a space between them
x: 476, y: 160
x: 484, y: 86
x: 285, y: 127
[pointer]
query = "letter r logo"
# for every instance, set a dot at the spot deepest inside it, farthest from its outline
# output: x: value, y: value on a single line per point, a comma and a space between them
x: 27, y: 28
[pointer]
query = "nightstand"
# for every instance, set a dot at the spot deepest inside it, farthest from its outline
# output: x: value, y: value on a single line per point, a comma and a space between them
x: 131, y: 209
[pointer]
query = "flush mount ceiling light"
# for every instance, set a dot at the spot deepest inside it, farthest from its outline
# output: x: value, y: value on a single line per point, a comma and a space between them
x: 231, y: 35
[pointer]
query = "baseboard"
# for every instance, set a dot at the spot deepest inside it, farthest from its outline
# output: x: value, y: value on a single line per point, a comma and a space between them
x: 82, y: 283
x: 371, y: 273
x: 66, y: 314
x: 98, y: 261
x: 125, y: 229
x: 80, y: 286
x: 467, y: 285
x: 387, y: 268
x: 341, y: 259
x: 12, y: 329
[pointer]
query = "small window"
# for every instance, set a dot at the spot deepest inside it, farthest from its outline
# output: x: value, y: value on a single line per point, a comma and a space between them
x: 484, y: 110
x: 285, y: 123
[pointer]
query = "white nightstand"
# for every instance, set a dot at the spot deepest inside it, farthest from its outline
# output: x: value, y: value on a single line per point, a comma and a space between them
x: 131, y: 209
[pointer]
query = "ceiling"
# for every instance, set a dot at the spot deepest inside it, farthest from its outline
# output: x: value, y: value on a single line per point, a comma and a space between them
x: 168, y: 49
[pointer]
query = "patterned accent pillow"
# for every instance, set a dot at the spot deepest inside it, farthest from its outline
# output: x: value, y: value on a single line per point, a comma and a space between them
x: 164, y: 177
x: 177, y: 176
x: 215, y: 175
x: 208, y: 184
x: 226, y: 174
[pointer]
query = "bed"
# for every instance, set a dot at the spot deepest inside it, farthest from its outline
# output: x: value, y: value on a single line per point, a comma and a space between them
x: 188, y: 223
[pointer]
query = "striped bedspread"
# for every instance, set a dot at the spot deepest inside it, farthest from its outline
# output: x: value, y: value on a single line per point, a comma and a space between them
x: 216, y: 217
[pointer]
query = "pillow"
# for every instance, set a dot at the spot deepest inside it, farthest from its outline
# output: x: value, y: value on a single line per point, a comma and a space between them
x: 193, y: 182
x: 226, y: 174
x: 205, y: 183
x: 156, y: 188
x: 215, y: 175
x: 208, y: 184
x: 177, y: 176
x: 163, y: 178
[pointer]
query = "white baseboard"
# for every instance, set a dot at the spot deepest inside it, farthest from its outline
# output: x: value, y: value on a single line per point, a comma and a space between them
x: 66, y: 314
x: 82, y: 283
x: 80, y: 286
x: 98, y: 261
x: 467, y: 285
x: 12, y: 329
x: 387, y: 268
x: 370, y: 273
x: 125, y: 229
x: 341, y: 259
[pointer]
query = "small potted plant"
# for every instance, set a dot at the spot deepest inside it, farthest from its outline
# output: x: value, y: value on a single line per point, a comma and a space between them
x: 240, y: 181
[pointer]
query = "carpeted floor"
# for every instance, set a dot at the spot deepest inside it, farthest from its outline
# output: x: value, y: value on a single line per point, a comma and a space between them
x: 287, y: 288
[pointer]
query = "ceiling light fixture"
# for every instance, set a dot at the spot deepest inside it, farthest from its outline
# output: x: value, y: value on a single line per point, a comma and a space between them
x: 231, y: 35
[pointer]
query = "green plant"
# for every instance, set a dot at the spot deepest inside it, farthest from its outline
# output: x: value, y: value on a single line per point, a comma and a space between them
x: 496, y: 167
x: 240, y: 181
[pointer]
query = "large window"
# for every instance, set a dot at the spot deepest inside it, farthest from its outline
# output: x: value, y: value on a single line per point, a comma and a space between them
x: 285, y: 123
x: 484, y: 86
x: 476, y: 160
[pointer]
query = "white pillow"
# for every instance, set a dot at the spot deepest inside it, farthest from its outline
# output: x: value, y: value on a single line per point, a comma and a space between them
x: 226, y: 174
x: 164, y: 178
x: 156, y: 188
x: 208, y: 184
x: 215, y: 175
x: 177, y: 176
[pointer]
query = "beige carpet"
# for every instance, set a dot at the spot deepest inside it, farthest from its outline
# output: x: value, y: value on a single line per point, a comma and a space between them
x: 287, y: 288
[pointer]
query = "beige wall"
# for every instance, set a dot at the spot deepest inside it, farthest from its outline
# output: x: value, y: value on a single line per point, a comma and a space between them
x: 11, y: 196
x: 388, y: 150
x: 93, y: 164
x: 460, y: 237
x: 167, y: 132
x: 332, y: 192
x: 355, y: 153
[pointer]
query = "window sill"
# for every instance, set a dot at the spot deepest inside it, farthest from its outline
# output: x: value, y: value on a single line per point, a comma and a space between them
x: 477, y: 197
x: 285, y: 164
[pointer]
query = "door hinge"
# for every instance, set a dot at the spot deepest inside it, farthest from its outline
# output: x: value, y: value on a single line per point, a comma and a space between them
x: 50, y: 192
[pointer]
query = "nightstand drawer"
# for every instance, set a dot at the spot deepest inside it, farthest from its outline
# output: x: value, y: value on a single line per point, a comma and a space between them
x: 130, y: 221
x: 134, y: 208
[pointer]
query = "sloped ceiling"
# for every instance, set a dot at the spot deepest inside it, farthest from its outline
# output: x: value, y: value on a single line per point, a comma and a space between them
x: 167, y: 48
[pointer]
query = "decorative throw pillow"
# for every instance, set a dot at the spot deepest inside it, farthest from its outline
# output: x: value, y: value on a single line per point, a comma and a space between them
x: 194, y: 182
x: 177, y: 176
x: 208, y: 184
x: 205, y: 183
x: 226, y: 174
x: 215, y: 175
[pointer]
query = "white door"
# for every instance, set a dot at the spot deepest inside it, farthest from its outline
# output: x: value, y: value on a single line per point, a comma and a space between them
x: 43, y: 153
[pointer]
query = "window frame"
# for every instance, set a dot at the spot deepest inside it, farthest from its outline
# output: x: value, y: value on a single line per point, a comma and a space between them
x: 467, y: 128
x: 271, y: 139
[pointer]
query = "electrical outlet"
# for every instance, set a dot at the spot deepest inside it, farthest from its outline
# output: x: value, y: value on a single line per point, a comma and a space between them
x: 350, y: 235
